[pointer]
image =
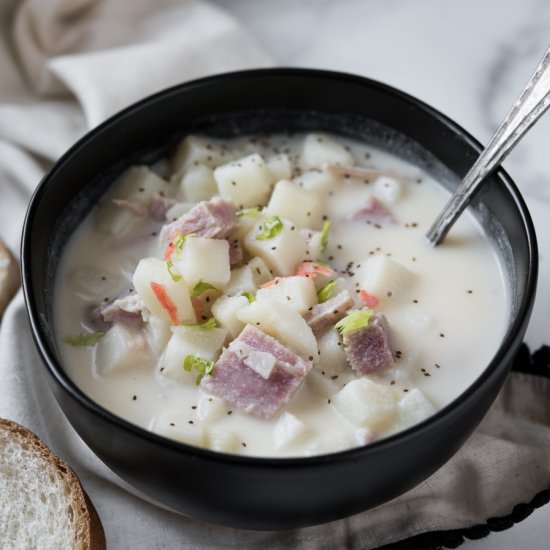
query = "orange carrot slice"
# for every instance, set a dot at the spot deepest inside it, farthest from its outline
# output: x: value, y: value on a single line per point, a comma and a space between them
x: 165, y: 301
x: 368, y: 299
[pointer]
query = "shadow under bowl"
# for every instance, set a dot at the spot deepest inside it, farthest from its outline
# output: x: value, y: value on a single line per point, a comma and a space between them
x: 271, y: 493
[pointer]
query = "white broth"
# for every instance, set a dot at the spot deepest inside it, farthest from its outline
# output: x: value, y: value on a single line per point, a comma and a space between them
x: 310, y: 209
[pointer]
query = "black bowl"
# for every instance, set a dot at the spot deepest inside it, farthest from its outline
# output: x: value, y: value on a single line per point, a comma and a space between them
x: 264, y: 493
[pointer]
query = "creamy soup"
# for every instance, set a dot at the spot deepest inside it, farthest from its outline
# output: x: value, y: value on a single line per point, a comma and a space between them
x: 276, y: 296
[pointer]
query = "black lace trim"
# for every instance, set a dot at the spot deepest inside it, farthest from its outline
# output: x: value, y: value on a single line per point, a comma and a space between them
x: 537, y: 364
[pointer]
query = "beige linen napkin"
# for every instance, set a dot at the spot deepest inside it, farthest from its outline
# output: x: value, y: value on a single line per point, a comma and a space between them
x: 65, y: 66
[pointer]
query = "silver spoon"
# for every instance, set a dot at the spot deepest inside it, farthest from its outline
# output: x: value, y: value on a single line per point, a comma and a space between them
x: 530, y: 106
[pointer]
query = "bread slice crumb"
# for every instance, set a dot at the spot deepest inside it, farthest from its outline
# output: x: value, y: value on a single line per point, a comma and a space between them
x: 43, y: 504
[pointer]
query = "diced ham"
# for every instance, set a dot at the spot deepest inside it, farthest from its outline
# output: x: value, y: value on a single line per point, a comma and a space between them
x: 326, y: 315
x: 373, y: 212
x: 369, y: 349
x: 258, y: 389
x: 213, y: 219
x: 129, y: 310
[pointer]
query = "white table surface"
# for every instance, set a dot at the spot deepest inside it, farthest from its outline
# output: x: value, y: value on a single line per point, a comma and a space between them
x: 467, y: 58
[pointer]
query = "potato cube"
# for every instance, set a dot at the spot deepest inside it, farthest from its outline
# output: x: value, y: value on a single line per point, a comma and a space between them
x: 319, y: 149
x: 195, y: 150
x: 296, y: 291
x: 383, y: 277
x: 294, y: 203
x: 175, y: 293
x: 120, y: 348
x: 248, y: 277
x: 222, y: 441
x: 387, y: 189
x: 174, y: 425
x: 316, y: 180
x: 366, y: 404
x: 204, y: 259
x: 289, y: 431
x: 283, y: 252
x: 204, y: 343
x: 138, y: 185
x: 178, y: 210
x: 246, y: 182
x: 158, y: 333
x: 414, y: 408
x: 225, y: 310
x: 279, y: 167
x: 198, y: 184
x: 283, y: 323
x: 332, y: 356
x: 211, y: 408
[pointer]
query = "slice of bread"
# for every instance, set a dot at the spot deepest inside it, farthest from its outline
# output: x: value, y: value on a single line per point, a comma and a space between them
x: 9, y: 277
x: 42, y: 504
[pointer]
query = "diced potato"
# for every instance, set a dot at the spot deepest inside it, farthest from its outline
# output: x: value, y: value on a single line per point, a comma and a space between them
x: 178, y: 210
x: 366, y: 404
x: 246, y: 182
x: 281, y: 253
x: 294, y: 203
x: 198, y: 184
x: 121, y: 348
x: 222, y: 440
x: 204, y: 259
x: 383, y: 277
x: 414, y: 408
x: 387, y: 189
x: 174, y: 425
x: 247, y: 220
x: 315, y: 245
x: 204, y: 343
x: 279, y: 167
x: 158, y: 333
x: 138, y: 184
x: 153, y: 270
x: 225, y: 310
x: 322, y: 384
x: 297, y: 291
x: 332, y: 358
x: 248, y: 277
x: 319, y: 149
x: 195, y: 150
x: 316, y: 180
x: 289, y: 431
x: 283, y: 323
x: 211, y: 408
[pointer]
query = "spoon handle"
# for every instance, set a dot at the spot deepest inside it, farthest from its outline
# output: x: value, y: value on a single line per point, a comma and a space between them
x: 530, y: 106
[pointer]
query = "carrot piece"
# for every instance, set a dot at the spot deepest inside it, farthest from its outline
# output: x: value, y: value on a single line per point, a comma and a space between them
x: 272, y: 282
x: 313, y: 269
x: 368, y: 299
x: 169, y: 250
x: 165, y: 301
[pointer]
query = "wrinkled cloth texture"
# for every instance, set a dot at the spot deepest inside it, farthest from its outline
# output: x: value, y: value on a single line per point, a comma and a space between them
x: 65, y: 66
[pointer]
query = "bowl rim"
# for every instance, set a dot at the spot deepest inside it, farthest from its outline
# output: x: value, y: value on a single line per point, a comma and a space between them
x: 64, y: 381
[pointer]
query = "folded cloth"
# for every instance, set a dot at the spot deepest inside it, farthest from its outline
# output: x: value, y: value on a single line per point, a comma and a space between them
x: 66, y: 66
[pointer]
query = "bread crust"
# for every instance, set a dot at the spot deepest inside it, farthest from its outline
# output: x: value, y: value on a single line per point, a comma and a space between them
x: 9, y: 276
x: 88, y: 530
